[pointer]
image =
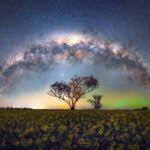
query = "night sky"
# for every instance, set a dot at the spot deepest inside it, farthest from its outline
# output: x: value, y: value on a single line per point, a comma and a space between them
x: 43, y: 41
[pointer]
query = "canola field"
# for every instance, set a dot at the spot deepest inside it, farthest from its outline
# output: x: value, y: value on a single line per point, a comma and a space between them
x: 79, y: 129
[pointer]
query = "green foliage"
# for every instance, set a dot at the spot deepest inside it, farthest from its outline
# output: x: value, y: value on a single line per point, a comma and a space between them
x: 85, y: 129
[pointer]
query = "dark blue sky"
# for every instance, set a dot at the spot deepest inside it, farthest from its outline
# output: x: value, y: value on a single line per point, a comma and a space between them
x: 25, y: 20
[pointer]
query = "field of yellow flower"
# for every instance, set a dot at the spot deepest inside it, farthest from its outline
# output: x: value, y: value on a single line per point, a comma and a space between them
x: 80, y: 129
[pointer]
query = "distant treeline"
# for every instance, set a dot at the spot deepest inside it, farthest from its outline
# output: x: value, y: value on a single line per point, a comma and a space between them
x: 24, y: 108
x: 143, y: 108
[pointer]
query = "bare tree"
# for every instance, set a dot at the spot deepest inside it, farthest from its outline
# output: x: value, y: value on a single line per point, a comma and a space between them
x: 96, y: 101
x: 71, y: 92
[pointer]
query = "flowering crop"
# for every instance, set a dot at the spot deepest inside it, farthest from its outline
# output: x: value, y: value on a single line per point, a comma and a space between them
x: 65, y: 129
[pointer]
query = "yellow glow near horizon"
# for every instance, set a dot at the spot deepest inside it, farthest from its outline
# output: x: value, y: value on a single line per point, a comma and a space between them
x: 113, y: 100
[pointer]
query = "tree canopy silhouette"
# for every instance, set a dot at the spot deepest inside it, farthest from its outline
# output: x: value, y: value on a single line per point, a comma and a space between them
x: 71, y: 92
x: 96, y: 101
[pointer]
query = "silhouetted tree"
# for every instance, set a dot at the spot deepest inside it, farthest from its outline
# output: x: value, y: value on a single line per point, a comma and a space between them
x: 96, y: 101
x: 71, y: 92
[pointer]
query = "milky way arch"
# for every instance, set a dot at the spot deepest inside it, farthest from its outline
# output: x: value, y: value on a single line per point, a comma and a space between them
x: 73, y: 49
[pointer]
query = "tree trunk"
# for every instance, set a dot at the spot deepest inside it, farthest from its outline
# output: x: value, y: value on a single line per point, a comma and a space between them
x: 72, y: 107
